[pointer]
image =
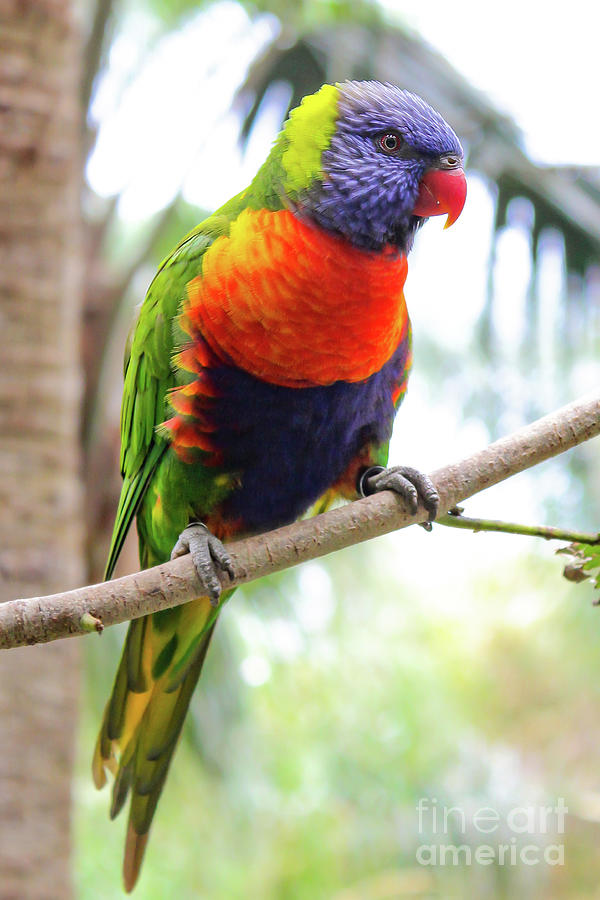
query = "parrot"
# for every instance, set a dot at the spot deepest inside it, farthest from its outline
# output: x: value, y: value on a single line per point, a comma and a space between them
x: 262, y: 378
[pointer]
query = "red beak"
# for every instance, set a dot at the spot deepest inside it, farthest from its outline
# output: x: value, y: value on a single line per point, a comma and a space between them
x: 441, y: 192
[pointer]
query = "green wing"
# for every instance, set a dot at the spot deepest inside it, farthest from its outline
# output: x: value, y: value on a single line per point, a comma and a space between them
x: 148, y: 376
x: 163, y: 654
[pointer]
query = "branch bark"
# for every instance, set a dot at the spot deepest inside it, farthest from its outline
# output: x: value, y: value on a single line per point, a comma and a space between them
x: 42, y: 619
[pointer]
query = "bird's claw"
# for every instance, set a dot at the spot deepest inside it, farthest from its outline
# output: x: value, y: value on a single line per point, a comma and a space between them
x: 208, y: 555
x: 409, y: 483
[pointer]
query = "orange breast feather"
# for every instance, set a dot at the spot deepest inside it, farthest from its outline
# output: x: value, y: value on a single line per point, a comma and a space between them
x: 296, y: 306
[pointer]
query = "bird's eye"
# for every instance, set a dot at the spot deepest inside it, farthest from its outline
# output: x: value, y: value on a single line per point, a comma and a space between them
x: 389, y: 142
x: 450, y: 162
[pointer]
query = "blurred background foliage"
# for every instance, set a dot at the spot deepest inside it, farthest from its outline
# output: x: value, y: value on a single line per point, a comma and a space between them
x: 446, y: 666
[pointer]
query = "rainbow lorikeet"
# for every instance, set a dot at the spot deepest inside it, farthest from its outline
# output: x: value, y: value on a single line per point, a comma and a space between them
x: 263, y: 376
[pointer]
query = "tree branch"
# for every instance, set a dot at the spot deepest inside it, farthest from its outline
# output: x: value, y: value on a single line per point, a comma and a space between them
x: 41, y: 619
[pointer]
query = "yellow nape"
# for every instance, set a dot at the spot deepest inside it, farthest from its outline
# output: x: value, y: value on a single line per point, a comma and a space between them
x: 308, y: 132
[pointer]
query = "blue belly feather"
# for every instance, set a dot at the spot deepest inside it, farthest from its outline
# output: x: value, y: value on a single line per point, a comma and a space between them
x: 290, y: 445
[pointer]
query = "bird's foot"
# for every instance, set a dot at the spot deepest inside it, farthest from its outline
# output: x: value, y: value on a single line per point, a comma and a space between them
x: 410, y: 484
x: 208, y: 555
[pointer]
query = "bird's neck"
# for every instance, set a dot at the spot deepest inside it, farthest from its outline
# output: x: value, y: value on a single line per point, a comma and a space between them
x: 294, y: 305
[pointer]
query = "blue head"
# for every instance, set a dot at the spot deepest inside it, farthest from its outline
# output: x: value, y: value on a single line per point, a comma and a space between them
x: 390, y: 161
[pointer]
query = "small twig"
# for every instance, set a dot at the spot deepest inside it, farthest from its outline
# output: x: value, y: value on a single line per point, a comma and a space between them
x: 457, y: 520
x: 89, y: 622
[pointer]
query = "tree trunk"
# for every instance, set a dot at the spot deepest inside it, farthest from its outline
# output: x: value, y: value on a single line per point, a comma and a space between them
x: 41, y: 536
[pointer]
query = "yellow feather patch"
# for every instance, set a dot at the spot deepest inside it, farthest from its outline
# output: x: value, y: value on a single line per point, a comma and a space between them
x: 309, y: 130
